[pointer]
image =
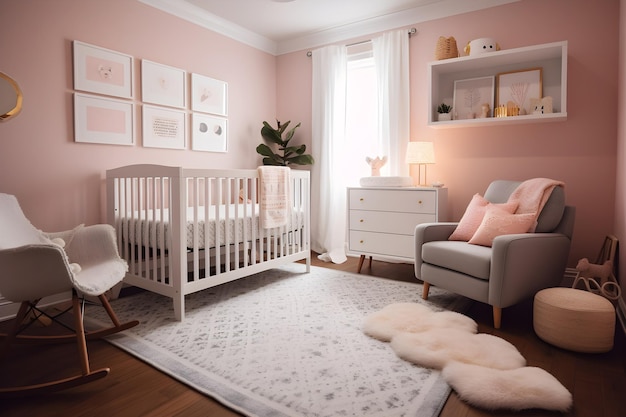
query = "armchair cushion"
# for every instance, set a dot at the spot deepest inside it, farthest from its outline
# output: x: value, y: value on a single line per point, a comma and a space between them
x: 458, y: 256
x: 499, y: 222
x: 473, y: 216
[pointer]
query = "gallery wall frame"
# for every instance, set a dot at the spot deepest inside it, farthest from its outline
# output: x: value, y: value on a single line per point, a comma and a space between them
x: 470, y: 95
x: 519, y: 87
x: 103, y: 120
x: 209, y: 95
x: 209, y: 133
x: 163, y: 84
x: 163, y: 127
x: 102, y: 71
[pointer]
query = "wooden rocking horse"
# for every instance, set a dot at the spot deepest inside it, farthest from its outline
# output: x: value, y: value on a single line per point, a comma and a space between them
x: 34, y: 265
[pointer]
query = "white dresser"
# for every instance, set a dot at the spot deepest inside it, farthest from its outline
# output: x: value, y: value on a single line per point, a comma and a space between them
x: 381, y: 221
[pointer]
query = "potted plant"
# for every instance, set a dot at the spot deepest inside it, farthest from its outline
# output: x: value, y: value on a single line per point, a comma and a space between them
x: 444, y: 112
x: 286, y: 154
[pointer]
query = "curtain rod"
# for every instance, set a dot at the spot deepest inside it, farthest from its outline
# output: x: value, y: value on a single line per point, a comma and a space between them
x: 411, y: 31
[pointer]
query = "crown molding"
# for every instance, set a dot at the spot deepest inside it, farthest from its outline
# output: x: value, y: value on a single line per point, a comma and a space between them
x: 424, y: 13
x: 201, y: 17
x: 433, y: 11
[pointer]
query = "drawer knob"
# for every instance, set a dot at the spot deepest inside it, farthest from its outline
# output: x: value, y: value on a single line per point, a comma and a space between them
x: 361, y: 221
x: 419, y: 202
x: 361, y: 199
x: 360, y: 241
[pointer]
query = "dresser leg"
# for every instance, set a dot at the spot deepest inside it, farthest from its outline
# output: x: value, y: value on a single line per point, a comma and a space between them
x: 361, y: 259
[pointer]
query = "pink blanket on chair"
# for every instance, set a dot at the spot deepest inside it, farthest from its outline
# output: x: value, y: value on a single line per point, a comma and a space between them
x: 532, y: 195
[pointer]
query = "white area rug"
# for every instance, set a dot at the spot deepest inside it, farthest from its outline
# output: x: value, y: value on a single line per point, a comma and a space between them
x: 287, y: 343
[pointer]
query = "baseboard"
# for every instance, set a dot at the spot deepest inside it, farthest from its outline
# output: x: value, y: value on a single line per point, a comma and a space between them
x: 8, y: 310
x: 621, y: 313
x: 569, y: 276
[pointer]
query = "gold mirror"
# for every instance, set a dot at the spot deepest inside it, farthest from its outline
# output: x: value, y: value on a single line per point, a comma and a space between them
x: 10, y: 97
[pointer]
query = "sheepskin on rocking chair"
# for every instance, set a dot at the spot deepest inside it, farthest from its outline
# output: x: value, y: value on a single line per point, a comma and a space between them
x: 34, y: 265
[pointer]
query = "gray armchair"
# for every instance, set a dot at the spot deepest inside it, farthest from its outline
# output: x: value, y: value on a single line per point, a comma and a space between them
x: 513, y: 269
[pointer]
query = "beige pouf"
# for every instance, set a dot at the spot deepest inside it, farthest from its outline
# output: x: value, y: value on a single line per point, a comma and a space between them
x: 574, y: 319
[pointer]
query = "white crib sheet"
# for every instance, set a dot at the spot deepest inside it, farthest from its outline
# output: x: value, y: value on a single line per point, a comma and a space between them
x: 151, y: 227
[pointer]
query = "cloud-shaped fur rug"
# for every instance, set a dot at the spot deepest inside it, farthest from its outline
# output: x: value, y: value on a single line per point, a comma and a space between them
x: 413, y: 318
x: 439, y: 347
x: 516, y: 389
x: 485, y: 370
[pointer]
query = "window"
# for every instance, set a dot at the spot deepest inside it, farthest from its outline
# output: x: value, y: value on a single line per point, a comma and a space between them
x: 361, y: 114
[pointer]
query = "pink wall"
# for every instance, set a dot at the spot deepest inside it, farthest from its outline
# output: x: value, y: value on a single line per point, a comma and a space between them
x: 59, y: 183
x: 580, y: 151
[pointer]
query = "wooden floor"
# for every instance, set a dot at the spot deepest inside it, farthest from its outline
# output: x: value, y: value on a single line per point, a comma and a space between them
x: 133, y: 388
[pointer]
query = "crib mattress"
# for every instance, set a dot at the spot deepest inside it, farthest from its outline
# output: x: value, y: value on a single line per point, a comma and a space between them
x: 226, y: 224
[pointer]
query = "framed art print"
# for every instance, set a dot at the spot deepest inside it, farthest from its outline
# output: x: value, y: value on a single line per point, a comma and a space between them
x: 162, y: 84
x: 519, y: 87
x: 470, y: 95
x: 102, y: 71
x: 209, y: 133
x: 103, y: 120
x: 209, y: 95
x: 163, y: 128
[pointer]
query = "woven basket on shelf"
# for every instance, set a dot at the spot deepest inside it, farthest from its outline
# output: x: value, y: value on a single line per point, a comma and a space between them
x: 446, y: 48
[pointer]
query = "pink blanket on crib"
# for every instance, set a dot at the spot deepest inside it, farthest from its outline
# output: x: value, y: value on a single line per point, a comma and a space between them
x: 274, y: 196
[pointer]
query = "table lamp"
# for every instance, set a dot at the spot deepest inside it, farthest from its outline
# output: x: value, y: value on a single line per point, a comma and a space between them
x: 420, y: 153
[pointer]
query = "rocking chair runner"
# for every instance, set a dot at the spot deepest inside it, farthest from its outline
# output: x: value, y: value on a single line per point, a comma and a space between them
x: 34, y: 265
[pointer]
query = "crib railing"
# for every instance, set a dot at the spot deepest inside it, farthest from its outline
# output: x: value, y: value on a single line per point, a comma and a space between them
x: 183, y: 230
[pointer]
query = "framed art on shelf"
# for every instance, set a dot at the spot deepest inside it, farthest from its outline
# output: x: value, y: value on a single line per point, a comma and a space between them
x: 163, y: 128
x: 209, y: 95
x: 519, y: 87
x: 209, y: 133
x: 471, y: 95
x: 102, y: 71
x: 162, y: 84
x: 103, y: 120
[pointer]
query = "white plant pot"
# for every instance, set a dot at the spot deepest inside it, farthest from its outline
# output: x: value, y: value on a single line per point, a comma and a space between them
x: 444, y: 117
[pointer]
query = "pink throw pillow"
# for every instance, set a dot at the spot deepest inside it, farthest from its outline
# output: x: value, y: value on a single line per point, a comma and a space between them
x: 473, y: 216
x: 499, y: 222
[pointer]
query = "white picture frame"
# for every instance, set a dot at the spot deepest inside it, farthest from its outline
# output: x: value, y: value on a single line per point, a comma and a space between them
x: 103, y: 120
x: 163, y: 127
x: 209, y: 133
x: 102, y: 71
x: 163, y: 85
x: 470, y: 95
x: 209, y: 95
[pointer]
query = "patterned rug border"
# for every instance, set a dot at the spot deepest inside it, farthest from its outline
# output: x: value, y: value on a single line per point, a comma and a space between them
x: 250, y: 404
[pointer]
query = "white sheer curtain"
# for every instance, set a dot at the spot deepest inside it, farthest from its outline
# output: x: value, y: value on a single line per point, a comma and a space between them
x: 328, y: 136
x: 391, y: 57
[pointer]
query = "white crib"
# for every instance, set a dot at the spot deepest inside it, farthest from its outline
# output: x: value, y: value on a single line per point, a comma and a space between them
x: 185, y: 230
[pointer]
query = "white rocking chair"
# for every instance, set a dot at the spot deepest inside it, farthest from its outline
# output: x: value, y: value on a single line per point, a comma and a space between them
x: 34, y: 265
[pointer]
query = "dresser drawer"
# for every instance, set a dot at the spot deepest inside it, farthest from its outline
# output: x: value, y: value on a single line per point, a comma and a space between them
x: 421, y: 201
x: 382, y: 244
x: 388, y: 222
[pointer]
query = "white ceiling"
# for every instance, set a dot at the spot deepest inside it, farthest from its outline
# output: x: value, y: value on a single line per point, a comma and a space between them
x: 282, y: 26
